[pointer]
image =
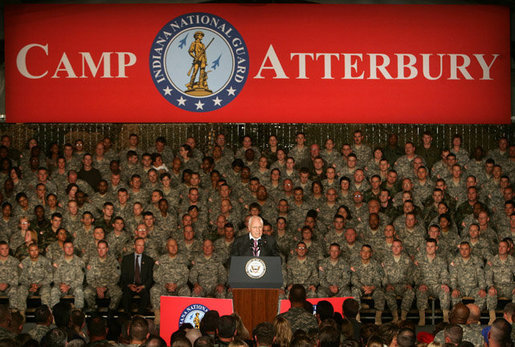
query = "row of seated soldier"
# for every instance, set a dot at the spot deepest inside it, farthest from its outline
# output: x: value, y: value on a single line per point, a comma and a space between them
x: 384, y: 223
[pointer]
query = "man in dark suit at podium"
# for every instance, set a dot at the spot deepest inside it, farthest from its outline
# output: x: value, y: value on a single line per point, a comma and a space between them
x: 136, y: 278
x: 255, y: 243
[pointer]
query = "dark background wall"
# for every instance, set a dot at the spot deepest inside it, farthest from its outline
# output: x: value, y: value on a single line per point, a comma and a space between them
x: 375, y: 134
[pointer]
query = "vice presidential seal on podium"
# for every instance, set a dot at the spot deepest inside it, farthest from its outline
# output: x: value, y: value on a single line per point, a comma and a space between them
x: 255, y: 275
x: 255, y: 268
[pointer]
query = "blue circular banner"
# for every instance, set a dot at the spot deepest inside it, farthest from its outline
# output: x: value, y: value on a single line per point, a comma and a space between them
x: 199, y: 62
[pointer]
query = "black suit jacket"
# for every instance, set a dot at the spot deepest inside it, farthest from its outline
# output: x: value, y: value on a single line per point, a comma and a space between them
x: 243, y: 246
x: 127, y: 276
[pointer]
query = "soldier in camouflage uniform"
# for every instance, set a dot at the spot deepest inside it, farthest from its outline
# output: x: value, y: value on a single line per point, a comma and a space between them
x: 411, y: 234
x: 362, y: 151
x: 459, y: 316
x: 72, y: 217
x: 158, y: 234
x: 367, y: 277
x: 208, y: 275
x: 404, y: 165
x: 224, y: 244
x: 84, y: 232
x: 329, y: 154
x: 118, y: 238
x: 47, y: 236
x: 8, y: 275
x: 189, y: 246
x: 350, y: 248
x: 327, y: 209
x: 297, y: 315
x: 298, y: 208
x: 90, y: 249
x: 456, y: 186
x: 102, y: 275
x: 122, y: 207
x: 68, y: 277
x: 373, y: 231
x: 399, y: 277
x: 283, y: 238
x: 335, y: 275
x: 170, y: 276
x: 222, y: 162
x: 467, y: 277
x: 467, y: 207
x: 302, y: 269
x: 150, y: 244
x: 478, y: 245
x: 300, y: 152
x: 422, y: 185
x: 383, y: 249
x: 358, y: 208
x: 101, y: 196
x: 500, y: 278
x: 266, y: 202
x: 502, y: 218
x: 166, y: 217
x: 359, y: 183
x: 336, y: 234
x: 35, y: 277
x: 444, y: 249
x: 55, y: 249
x: 314, y: 248
x: 486, y: 232
x: 432, y: 279
x: 319, y: 229
x: 43, y: 317
x: 431, y: 206
x: 18, y: 236
x: 136, y: 190
x: 225, y: 209
x: 449, y: 238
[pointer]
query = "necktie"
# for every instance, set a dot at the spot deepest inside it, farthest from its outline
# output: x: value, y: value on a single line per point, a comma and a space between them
x: 137, y: 271
x: 255, y: 248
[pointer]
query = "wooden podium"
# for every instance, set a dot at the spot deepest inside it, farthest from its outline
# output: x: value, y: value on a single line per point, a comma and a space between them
x: 255, y: 299
x: 255, y: 305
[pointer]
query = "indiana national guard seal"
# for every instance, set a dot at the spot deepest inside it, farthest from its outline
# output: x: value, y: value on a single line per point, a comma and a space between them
x: 193, y: 314
x: 255, y: 268
x: 199, y: 62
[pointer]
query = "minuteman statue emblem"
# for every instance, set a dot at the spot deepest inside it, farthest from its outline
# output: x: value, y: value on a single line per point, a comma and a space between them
x: 199, y: 62
x: 198, y: 53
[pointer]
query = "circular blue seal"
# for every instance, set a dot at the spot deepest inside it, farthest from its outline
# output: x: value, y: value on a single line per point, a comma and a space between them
x: 199, y: 62
x: 193, y: 314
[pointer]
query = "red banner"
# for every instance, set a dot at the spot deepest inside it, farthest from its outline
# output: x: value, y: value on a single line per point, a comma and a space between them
x: 176, y: 310
x: 257, y: 63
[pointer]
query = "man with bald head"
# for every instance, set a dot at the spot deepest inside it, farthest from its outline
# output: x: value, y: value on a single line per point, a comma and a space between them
x: 171, y: 276
x: 473, y: 322
x: 474, y: 314
x: 459, y: 315
x: 255, y: 243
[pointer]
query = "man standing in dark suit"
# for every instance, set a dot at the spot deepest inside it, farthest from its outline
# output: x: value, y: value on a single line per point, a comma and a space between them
x: 255, y: 243
x: 136, y: 278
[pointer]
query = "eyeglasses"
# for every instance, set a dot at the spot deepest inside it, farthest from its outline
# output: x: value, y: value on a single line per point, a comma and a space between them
x: 301, y: 247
